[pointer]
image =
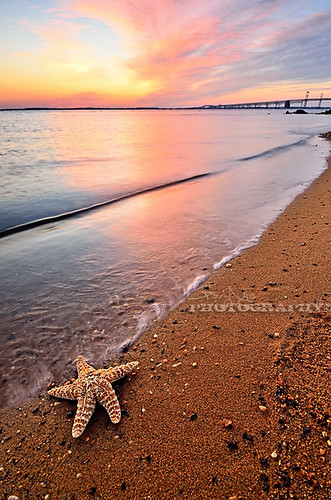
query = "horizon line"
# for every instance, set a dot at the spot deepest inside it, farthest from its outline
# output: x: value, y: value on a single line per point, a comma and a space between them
x: 275, y: 102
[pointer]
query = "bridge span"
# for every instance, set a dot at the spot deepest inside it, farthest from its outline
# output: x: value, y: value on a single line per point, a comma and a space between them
x: 311, y: 103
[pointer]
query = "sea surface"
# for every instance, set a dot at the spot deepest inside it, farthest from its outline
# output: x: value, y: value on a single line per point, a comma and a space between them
x: 180, y: 192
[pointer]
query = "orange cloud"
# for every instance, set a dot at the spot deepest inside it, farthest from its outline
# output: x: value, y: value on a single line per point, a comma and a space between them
x: 168, y: 52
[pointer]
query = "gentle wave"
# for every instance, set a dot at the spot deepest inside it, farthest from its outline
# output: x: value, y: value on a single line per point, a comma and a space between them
x: 273, y: 151
x: 239, y: 249
x: 65, y: 215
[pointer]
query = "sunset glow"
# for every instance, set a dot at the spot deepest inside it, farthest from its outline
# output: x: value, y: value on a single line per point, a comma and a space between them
x: 162, y: 53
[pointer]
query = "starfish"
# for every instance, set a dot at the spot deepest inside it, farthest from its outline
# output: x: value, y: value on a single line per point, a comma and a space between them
x: 91, y: 386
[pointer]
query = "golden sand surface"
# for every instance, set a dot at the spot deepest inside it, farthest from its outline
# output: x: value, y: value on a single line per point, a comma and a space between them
x: 232, y: 396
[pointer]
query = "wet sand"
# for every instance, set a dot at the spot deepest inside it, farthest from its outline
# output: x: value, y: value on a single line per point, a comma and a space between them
x: 232, y: 396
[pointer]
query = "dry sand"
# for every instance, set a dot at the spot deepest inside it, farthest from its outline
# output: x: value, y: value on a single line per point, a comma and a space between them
x: 232, y: 398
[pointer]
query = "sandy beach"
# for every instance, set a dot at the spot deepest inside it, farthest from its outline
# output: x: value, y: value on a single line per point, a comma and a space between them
x: 232, y: 396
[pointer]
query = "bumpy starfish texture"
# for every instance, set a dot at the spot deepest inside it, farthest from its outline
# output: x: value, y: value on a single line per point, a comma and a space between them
x: 91, y: 386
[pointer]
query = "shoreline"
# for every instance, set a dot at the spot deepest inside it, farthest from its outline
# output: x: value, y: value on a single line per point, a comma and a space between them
x: 243, y: 348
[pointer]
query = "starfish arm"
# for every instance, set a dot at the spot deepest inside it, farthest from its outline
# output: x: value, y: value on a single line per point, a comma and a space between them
x: 117, y: 372
x: 85, y: 409
x: 83, y: 368
x: 107, y: 397
x: 66, y: 391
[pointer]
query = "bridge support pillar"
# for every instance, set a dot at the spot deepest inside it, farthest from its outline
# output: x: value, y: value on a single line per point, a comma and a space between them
x: 287, y: 104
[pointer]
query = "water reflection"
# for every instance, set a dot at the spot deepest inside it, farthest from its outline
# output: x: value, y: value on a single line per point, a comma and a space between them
x: 87, y: 285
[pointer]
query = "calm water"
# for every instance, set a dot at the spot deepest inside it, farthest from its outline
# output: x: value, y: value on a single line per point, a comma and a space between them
x: 91, y: 283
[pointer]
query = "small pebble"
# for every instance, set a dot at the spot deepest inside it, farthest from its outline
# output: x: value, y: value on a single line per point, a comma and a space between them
x: 194, y: 364
x: 262, y: 408
x: 248, y: 437
x: 228, y: 265
x: 274, y: 454
x: 227, y: 423
x: 233, y: 445
x: 13, y: 497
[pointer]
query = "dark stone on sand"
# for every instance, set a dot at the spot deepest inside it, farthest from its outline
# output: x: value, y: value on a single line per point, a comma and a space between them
x: 62, y: 443
x: 233, y: 445
x: 123, y: 486
x: 126, y: 347
x: 265, y: 289
x: 286, y: 480
x: 216, y: 327
x: 150, y: 301
x: 214, y: 479
x: 36, y: 410
x: 193, y: 417
x: 265, y: 480
x: 93, y: 490
x: 247, y: 437
x: 70, y: 414
x: 306, y: 431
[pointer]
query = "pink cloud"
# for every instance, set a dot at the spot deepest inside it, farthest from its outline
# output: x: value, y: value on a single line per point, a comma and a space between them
x: 176, y: 44
x: 185, y: 51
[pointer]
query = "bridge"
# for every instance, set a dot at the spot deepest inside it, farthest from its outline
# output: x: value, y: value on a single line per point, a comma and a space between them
x: 305, y: 103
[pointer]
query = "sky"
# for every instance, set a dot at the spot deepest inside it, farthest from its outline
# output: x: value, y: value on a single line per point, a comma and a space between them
x: 162, y: 52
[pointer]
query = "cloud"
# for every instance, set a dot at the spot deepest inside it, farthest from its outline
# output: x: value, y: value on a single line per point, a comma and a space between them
x: 178, y: 45
x: 171, y: 52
